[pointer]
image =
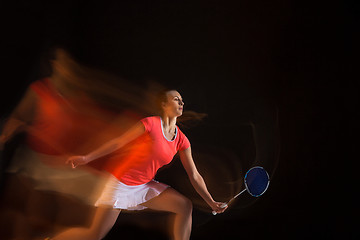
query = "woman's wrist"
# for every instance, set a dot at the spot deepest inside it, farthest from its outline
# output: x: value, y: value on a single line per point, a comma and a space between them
x: 210, y: 202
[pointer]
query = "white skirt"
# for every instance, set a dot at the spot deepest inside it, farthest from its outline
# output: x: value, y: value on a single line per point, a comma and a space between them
x: 121, y: 196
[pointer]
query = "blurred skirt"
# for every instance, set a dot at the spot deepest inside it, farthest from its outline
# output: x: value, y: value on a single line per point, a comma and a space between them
x: 50, y: 173
x: 121, y: 196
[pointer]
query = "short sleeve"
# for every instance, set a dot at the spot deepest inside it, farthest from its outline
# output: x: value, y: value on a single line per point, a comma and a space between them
x: 184, y: 142
x: 148, y: 123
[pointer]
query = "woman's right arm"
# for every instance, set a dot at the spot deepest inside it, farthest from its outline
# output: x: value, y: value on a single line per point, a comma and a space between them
x: 109, y: 147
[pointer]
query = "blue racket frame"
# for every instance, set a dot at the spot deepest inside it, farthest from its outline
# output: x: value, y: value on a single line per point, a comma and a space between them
x: 262, y: 185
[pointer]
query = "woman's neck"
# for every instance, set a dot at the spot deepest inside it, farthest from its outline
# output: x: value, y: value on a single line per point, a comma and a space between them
x: 169, y: 123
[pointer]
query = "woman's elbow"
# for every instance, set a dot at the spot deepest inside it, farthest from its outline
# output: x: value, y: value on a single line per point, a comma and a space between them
x: 195, y: 176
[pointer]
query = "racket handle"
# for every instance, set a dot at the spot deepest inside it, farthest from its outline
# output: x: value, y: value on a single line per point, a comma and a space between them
x: 224, y: 205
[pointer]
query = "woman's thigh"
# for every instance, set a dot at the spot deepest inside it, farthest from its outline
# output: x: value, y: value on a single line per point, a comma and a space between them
x: 170, y: 201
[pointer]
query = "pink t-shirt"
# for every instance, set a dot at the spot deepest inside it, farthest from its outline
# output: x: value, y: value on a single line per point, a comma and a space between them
x: 159, y: 153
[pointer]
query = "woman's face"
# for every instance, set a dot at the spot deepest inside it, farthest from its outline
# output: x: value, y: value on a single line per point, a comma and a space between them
x: 174, y: 105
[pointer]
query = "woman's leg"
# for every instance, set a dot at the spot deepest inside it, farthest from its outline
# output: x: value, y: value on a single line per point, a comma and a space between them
x: 102, y: 222
x: 172, y: 201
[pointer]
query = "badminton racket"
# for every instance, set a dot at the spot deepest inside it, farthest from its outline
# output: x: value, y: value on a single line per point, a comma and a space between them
x: 256, y: 182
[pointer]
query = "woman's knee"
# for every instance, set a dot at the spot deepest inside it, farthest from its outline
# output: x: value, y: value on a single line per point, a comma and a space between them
x: 185, y: 206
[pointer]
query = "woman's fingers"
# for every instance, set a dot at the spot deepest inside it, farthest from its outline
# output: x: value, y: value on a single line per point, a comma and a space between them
x: 75, y: 161
x: 223, y: 207
x: 220, y: 207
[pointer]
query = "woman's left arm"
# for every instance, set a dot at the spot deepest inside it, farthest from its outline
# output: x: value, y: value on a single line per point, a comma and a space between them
x: 198, y: 182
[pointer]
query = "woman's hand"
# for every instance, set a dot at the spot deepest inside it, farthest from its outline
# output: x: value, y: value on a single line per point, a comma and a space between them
x: 76, y: 161
x: 218, y: 207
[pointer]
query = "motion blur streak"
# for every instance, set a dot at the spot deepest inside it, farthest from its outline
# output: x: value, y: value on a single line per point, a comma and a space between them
x: 71, y: 112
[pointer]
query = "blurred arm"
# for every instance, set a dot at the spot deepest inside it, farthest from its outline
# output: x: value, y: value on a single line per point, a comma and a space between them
x: 117, y: 143
x: 20, y: 117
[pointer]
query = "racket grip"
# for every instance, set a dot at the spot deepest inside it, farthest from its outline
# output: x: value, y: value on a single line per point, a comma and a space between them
x: 224, y: 205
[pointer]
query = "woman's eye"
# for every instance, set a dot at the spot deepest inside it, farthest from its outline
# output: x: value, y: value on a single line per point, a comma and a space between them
x: 177, y: 99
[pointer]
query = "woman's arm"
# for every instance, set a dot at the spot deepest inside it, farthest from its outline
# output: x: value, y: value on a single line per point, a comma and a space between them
x: 109, y: 147
x: 197, y: 180
x: 20, y: 117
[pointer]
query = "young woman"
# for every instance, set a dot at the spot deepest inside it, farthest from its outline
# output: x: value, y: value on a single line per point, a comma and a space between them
x: 134, y: 188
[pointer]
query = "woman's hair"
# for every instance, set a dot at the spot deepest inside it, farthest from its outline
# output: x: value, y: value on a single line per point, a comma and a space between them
x: 187, y: 119
x: 161, y: 97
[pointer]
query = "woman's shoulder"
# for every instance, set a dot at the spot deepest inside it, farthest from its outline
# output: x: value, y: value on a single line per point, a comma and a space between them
x: 149, y: 122
x: 151, y: 119
x: 180, y: 132
x: 183, y: 141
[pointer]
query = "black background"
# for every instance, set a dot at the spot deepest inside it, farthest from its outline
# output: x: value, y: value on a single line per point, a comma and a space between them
x: 238, y: 61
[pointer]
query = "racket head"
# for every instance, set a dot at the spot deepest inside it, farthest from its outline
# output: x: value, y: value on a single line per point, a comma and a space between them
x: 257, y: 181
